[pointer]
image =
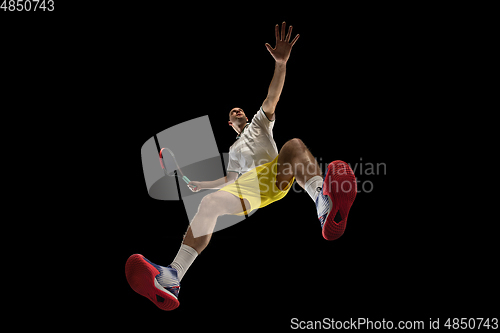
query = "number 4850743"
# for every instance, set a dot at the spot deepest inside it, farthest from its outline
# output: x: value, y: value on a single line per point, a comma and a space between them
x: 27, y: 5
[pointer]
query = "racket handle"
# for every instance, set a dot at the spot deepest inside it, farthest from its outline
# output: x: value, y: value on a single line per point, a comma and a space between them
x: 186, y: 179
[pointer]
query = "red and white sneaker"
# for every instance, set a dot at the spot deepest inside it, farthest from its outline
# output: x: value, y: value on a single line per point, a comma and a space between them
x: 143, y: 275
x: 335, y: 199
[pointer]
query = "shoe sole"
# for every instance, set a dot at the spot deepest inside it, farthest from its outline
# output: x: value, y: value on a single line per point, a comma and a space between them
x: 341, y: 188
x: 141, y: 278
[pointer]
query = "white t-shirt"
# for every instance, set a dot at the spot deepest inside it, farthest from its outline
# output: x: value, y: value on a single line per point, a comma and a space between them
x: 254, y: 146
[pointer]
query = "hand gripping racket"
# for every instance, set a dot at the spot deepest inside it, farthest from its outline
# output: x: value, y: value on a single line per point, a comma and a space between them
x: 169, y: 165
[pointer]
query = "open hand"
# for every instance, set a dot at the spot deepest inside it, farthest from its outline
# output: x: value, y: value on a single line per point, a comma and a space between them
x: 281, y: 52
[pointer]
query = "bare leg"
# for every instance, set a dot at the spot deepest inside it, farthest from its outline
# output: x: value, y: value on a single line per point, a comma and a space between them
x: 295, y: 160
x: 211, y: 207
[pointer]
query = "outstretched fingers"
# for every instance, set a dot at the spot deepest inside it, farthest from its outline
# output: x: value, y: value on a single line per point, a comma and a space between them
x: 295, y: 39
x: 269, y: 48
x: 281, y: 37
x: 289, y: 34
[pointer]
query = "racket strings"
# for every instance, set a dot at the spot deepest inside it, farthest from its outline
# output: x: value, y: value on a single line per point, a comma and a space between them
x: 164, y: 166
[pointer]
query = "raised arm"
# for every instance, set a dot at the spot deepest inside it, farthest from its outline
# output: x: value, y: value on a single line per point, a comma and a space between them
x: 280, y: 53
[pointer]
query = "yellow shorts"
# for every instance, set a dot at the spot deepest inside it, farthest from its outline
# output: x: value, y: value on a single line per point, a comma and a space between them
x: 258, y: 186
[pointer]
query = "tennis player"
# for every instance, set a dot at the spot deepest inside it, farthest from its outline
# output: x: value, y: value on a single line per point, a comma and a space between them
x: 257, y: 175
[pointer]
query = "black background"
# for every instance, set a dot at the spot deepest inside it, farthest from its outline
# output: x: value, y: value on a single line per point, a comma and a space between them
x: 362, y: 83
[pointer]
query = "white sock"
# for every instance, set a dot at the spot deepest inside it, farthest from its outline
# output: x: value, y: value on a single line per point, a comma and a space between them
x: 313, y: 187
x: 183, y: 260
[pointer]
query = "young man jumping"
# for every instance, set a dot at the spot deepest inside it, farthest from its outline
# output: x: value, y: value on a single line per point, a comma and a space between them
x: 265, y: 176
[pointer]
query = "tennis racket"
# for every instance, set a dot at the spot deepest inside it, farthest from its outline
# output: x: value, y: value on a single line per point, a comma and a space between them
x: 169, y: 165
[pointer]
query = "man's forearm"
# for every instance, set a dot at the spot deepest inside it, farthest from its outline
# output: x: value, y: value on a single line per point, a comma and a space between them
x: 215, y: 184
x: 275, y: 88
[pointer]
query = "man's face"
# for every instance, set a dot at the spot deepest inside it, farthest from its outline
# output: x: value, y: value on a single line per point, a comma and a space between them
x: 236, y: 113
x: 237, y: 116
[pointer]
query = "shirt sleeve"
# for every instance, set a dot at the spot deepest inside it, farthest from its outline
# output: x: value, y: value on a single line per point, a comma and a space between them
x: 261, y: 120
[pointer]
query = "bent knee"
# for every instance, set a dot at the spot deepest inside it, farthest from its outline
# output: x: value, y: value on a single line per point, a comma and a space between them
x: 295, y: 142
x: 294, y: 145
x: 209, y: 203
